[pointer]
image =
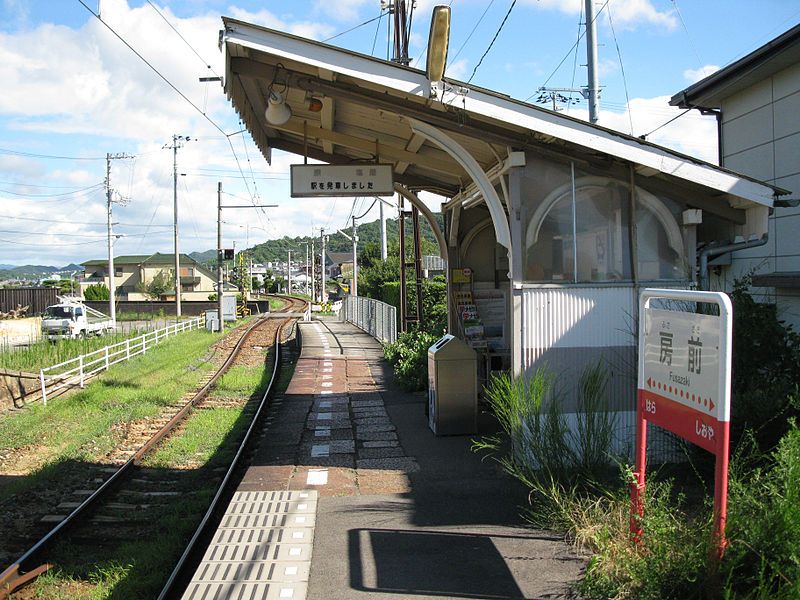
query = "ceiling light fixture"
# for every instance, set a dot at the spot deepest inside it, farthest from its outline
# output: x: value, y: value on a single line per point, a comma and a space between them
x: 278, y: 112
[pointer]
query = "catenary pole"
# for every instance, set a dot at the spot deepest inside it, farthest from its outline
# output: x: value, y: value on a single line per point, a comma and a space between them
x: 593, y: 87
x: 112, y: 284
x: 220, y: 285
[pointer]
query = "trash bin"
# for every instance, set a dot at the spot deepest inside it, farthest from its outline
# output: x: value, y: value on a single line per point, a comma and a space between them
x: 452, y: 387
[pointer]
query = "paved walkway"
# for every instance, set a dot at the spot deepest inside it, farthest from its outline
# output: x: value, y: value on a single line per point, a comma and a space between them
x: 398, y: 512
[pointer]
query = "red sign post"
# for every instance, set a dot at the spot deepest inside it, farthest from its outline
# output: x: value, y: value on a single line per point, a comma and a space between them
x: 684, y: 386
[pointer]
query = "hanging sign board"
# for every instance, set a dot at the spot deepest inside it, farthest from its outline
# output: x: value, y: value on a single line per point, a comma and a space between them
x: 684, y: 384
x: 309, y: 181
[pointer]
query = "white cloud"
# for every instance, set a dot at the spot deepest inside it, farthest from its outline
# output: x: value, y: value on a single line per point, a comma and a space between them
x: 627, y: 14
x: 692, y: 134
x: 695, y: 75
x: 308, y: 29
x: 458, y: 70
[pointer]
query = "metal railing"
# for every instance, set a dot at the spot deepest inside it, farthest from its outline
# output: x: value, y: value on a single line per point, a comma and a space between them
x: 373, y: 316
x: 75, y: 371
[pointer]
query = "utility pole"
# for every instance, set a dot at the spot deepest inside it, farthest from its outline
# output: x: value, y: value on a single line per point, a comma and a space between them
x: 402, y: 29
x: 313, y: 270
x: 112, y: 284
x: 177, y: 142
x: 384, y: 251
x: 354, y: 282
x: 289, y: 274
x: 306, y: 244
x: 323, y: 296
x: 220, y: 255
x: 593, y: 87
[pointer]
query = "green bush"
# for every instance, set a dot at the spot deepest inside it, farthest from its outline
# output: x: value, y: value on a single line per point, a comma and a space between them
x: 96, y: 292
x: 409, y: 357
x: 763, y: 556
x: 766, y: 370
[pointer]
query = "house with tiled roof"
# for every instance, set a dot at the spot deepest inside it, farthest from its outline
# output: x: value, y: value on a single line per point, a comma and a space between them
x: 132, y: 273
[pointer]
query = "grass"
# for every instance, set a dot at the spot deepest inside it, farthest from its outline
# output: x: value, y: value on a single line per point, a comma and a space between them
x: 44, y: 353
x: 138, y: 568
x: 571, y: 493
x: 85, y: 425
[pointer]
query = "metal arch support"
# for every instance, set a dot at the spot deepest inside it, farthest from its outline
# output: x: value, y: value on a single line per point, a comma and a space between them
x: 474, y: 170
x: 415, y: 201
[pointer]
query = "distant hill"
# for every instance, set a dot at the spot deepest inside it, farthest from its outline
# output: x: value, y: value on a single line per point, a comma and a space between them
x: 368, y: 233
x: 209, y: 257
x: 34, y: 271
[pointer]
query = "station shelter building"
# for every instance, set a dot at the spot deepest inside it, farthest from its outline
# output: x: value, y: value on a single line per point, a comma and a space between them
x: 552, y: 225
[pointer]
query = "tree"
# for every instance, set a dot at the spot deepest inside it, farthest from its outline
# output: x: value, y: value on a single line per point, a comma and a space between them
x: 97, y: 292
x: 256, y: 283
x: 158, y: 286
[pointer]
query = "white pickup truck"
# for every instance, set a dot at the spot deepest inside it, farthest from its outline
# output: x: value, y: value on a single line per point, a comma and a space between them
x: 73, y: 320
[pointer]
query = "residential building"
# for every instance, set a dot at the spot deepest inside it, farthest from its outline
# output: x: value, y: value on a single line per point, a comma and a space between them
x: 132, y: 273
x: 756, y: 101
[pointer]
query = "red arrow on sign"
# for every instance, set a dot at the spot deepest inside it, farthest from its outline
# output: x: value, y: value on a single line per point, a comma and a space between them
x: 649, y: 382
x: 712, y: 403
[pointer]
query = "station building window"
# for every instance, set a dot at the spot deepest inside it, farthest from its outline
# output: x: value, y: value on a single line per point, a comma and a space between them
x: 580, y: 232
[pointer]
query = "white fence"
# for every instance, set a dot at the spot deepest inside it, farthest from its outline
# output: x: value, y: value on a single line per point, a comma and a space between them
x: 75, y: 371
x: 373, y: 316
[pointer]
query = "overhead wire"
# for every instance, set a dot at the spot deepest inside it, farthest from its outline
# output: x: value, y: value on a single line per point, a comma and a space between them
x: 366, y: 212
x: 171, y: 26
x: 688, y: 36
x: 621, y: 68
x: 50, y: 156
x: 575, y: 59
x: 494, y: 39
x: 367, y: 22
x: 81, y: 192
x: 566, y: 56
x: 474, y: 28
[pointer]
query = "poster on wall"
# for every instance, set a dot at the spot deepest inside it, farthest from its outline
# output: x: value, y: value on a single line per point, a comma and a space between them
x: 491, y: 305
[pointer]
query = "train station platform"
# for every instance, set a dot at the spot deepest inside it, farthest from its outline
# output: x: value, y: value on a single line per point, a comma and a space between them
x: 351, y: 495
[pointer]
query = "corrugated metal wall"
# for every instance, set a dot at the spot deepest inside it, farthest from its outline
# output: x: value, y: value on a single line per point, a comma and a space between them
x: 566, y: 330
x: 590, y: 317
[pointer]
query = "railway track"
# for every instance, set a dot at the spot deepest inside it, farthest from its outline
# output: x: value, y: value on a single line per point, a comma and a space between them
x: 121, y: 496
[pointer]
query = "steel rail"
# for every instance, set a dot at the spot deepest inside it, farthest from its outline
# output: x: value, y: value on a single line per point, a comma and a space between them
x: 223, y: 487
x: 10, y: 578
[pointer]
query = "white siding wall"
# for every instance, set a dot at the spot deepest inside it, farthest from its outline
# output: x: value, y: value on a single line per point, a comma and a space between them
x: 761, y: 138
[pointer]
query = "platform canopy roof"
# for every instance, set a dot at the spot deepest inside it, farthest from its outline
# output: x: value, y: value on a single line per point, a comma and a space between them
x: 369, y: 106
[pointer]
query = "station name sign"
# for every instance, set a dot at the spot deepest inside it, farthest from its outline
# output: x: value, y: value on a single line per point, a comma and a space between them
x: 684, y: 386
x: 311, y: 181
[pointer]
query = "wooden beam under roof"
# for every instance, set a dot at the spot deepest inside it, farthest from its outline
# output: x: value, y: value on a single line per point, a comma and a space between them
x: 384, y: 151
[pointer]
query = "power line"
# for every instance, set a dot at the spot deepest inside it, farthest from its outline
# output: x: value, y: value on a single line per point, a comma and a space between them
x: 76, y: 192
x: 156, y: 71
x: 473, y: 30
x: 333, y: 37
x: 103, y: 223
x: 621, y: 68
x: 160, y: 14
x: 52, y: 156
x: 685, y: 111
x: 689, y: 37
x: 575, y: 58
x: 366, y: 212
x: 566, y: 56
x: 499, y: 29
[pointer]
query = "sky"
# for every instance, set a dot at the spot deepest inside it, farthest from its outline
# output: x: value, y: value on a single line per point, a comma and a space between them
x: 73, y: 92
